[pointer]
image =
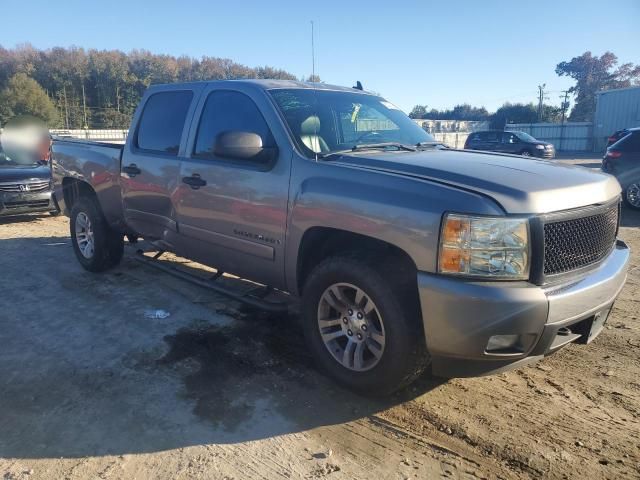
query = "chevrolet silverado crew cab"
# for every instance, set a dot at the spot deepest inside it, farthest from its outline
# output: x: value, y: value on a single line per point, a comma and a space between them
x: 403, y: 254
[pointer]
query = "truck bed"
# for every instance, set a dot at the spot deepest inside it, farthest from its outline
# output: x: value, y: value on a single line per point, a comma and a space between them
x: 96, y: 163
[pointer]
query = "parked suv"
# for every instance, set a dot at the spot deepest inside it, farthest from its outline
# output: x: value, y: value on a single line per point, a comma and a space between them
x: 25, y: 186
x: 617, y: 135
x: 518, y: 143
x: 622, y: 159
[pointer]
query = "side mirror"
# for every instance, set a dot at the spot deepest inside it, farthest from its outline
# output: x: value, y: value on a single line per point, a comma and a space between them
x: 243, y: 146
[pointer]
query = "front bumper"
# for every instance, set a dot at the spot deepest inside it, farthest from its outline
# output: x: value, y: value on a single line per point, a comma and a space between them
x: 547, y: 153
x: 460, y: 317
x: 21, y: 203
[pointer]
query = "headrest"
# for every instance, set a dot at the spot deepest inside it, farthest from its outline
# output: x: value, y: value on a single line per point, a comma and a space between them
x: 311, y: 126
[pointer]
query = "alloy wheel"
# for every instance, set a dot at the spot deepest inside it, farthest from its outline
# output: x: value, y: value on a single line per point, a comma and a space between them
x: 84, y: 235
x: 633, y: 195
x: 351, y: 327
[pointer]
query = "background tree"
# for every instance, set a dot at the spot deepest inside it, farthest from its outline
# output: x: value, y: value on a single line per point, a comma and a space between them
x: 459, y: 112
x: 593, y: 73
x: 419, y: 111
x: 24, y: 96
x: 113, y: 81
x: 514, y: 113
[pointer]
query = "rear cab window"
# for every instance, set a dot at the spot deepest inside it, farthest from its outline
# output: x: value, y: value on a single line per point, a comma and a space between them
x: 162, y: 122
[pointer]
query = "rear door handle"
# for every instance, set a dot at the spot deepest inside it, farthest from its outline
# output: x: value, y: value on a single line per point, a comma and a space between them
x: 194, y: 181
x: 132, y: 170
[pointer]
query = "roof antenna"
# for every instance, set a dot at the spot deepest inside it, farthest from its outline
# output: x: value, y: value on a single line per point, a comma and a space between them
x: 313, y: 55
x: 358, y: 85
x: 315, y: 95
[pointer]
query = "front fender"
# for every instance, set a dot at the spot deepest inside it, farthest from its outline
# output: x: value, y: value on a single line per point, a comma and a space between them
x: 405, y: 212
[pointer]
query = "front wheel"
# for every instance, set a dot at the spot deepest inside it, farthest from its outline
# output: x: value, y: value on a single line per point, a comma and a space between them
x: 525, y: 153
x: 96, y: 246
x: 358, y: 329
x: 632, y: 196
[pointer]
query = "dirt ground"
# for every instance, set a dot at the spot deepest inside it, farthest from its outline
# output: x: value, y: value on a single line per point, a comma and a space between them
x: 90, y: 387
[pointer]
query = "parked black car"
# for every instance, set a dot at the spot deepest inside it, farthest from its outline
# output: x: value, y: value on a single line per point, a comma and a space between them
x: 617, y: 135
x: 622, y: 159
x: 518, y: 143
x: 25, y: 186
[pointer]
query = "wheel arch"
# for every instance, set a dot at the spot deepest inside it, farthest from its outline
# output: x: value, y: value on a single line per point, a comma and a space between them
x: 73, y: 189
x: 318, y: 243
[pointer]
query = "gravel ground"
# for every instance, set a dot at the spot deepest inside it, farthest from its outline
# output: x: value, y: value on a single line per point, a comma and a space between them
x: 90, y: 387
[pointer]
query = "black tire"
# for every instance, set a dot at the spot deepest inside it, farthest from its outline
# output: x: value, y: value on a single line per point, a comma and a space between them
x: 526, y: 153
x: 404, y: 357
x: 631, y: 195
x: 108, y: 245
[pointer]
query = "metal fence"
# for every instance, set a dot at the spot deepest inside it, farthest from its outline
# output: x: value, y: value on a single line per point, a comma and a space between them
x: 566, y: 137
x: 109, y: 136
x: 453, y: 140
x: 451, y: 126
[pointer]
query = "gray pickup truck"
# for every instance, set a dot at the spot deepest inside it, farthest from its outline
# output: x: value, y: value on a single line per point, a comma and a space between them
x: 404, y: 254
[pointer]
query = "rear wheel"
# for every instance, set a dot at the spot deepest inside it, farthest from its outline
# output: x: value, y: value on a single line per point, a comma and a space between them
x: 359, y: 328
x: 632, y: 195
x: 96, y: 246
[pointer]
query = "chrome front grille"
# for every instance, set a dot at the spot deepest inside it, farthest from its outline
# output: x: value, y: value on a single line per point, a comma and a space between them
x: 581, y: 239
x: 26, y: 187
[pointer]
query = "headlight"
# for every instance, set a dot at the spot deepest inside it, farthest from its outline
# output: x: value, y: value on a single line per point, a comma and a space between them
x: 488, y: 247
x: 540, y: 147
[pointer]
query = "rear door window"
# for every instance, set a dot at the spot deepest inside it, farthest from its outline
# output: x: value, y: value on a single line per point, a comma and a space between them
x: 492, y: 137
x: 162, y: 121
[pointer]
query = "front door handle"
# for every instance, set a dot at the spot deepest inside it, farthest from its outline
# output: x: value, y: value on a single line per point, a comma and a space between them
x: 132, y: 170
x: 194, y: 181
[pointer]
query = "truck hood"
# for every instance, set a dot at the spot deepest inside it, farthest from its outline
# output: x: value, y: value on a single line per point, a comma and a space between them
x: 21, y: 173
x: 520, y: 185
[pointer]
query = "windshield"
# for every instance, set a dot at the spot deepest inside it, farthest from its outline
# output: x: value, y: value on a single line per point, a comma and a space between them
x: 525, y: 137
x: 325, y: 121
x: 16, y: 159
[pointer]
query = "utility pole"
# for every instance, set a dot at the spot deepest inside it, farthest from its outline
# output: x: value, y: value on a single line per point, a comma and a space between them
x: 66, y: 107
x: 541, y: 100
x: 84, y: 108
x: 565, y: 103
x: 313, y: 55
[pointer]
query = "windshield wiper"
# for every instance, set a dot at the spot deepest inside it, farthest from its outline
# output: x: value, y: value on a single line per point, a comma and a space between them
x: 371, y: 146
x: 430, y: 144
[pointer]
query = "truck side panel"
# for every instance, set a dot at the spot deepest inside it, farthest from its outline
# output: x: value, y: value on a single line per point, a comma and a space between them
x: 95, y: 164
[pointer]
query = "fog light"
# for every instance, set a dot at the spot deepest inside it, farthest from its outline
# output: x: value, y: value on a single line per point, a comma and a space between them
x: 509, y: 344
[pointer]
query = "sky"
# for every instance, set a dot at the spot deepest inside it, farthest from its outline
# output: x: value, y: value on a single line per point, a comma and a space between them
x: 412, y: 52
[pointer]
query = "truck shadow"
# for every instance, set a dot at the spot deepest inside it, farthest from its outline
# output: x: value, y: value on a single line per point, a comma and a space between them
x: 85, y: 373
x: 34, y: 217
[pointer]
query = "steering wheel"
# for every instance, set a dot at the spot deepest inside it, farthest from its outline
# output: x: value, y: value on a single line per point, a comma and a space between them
x: 369, y: 134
